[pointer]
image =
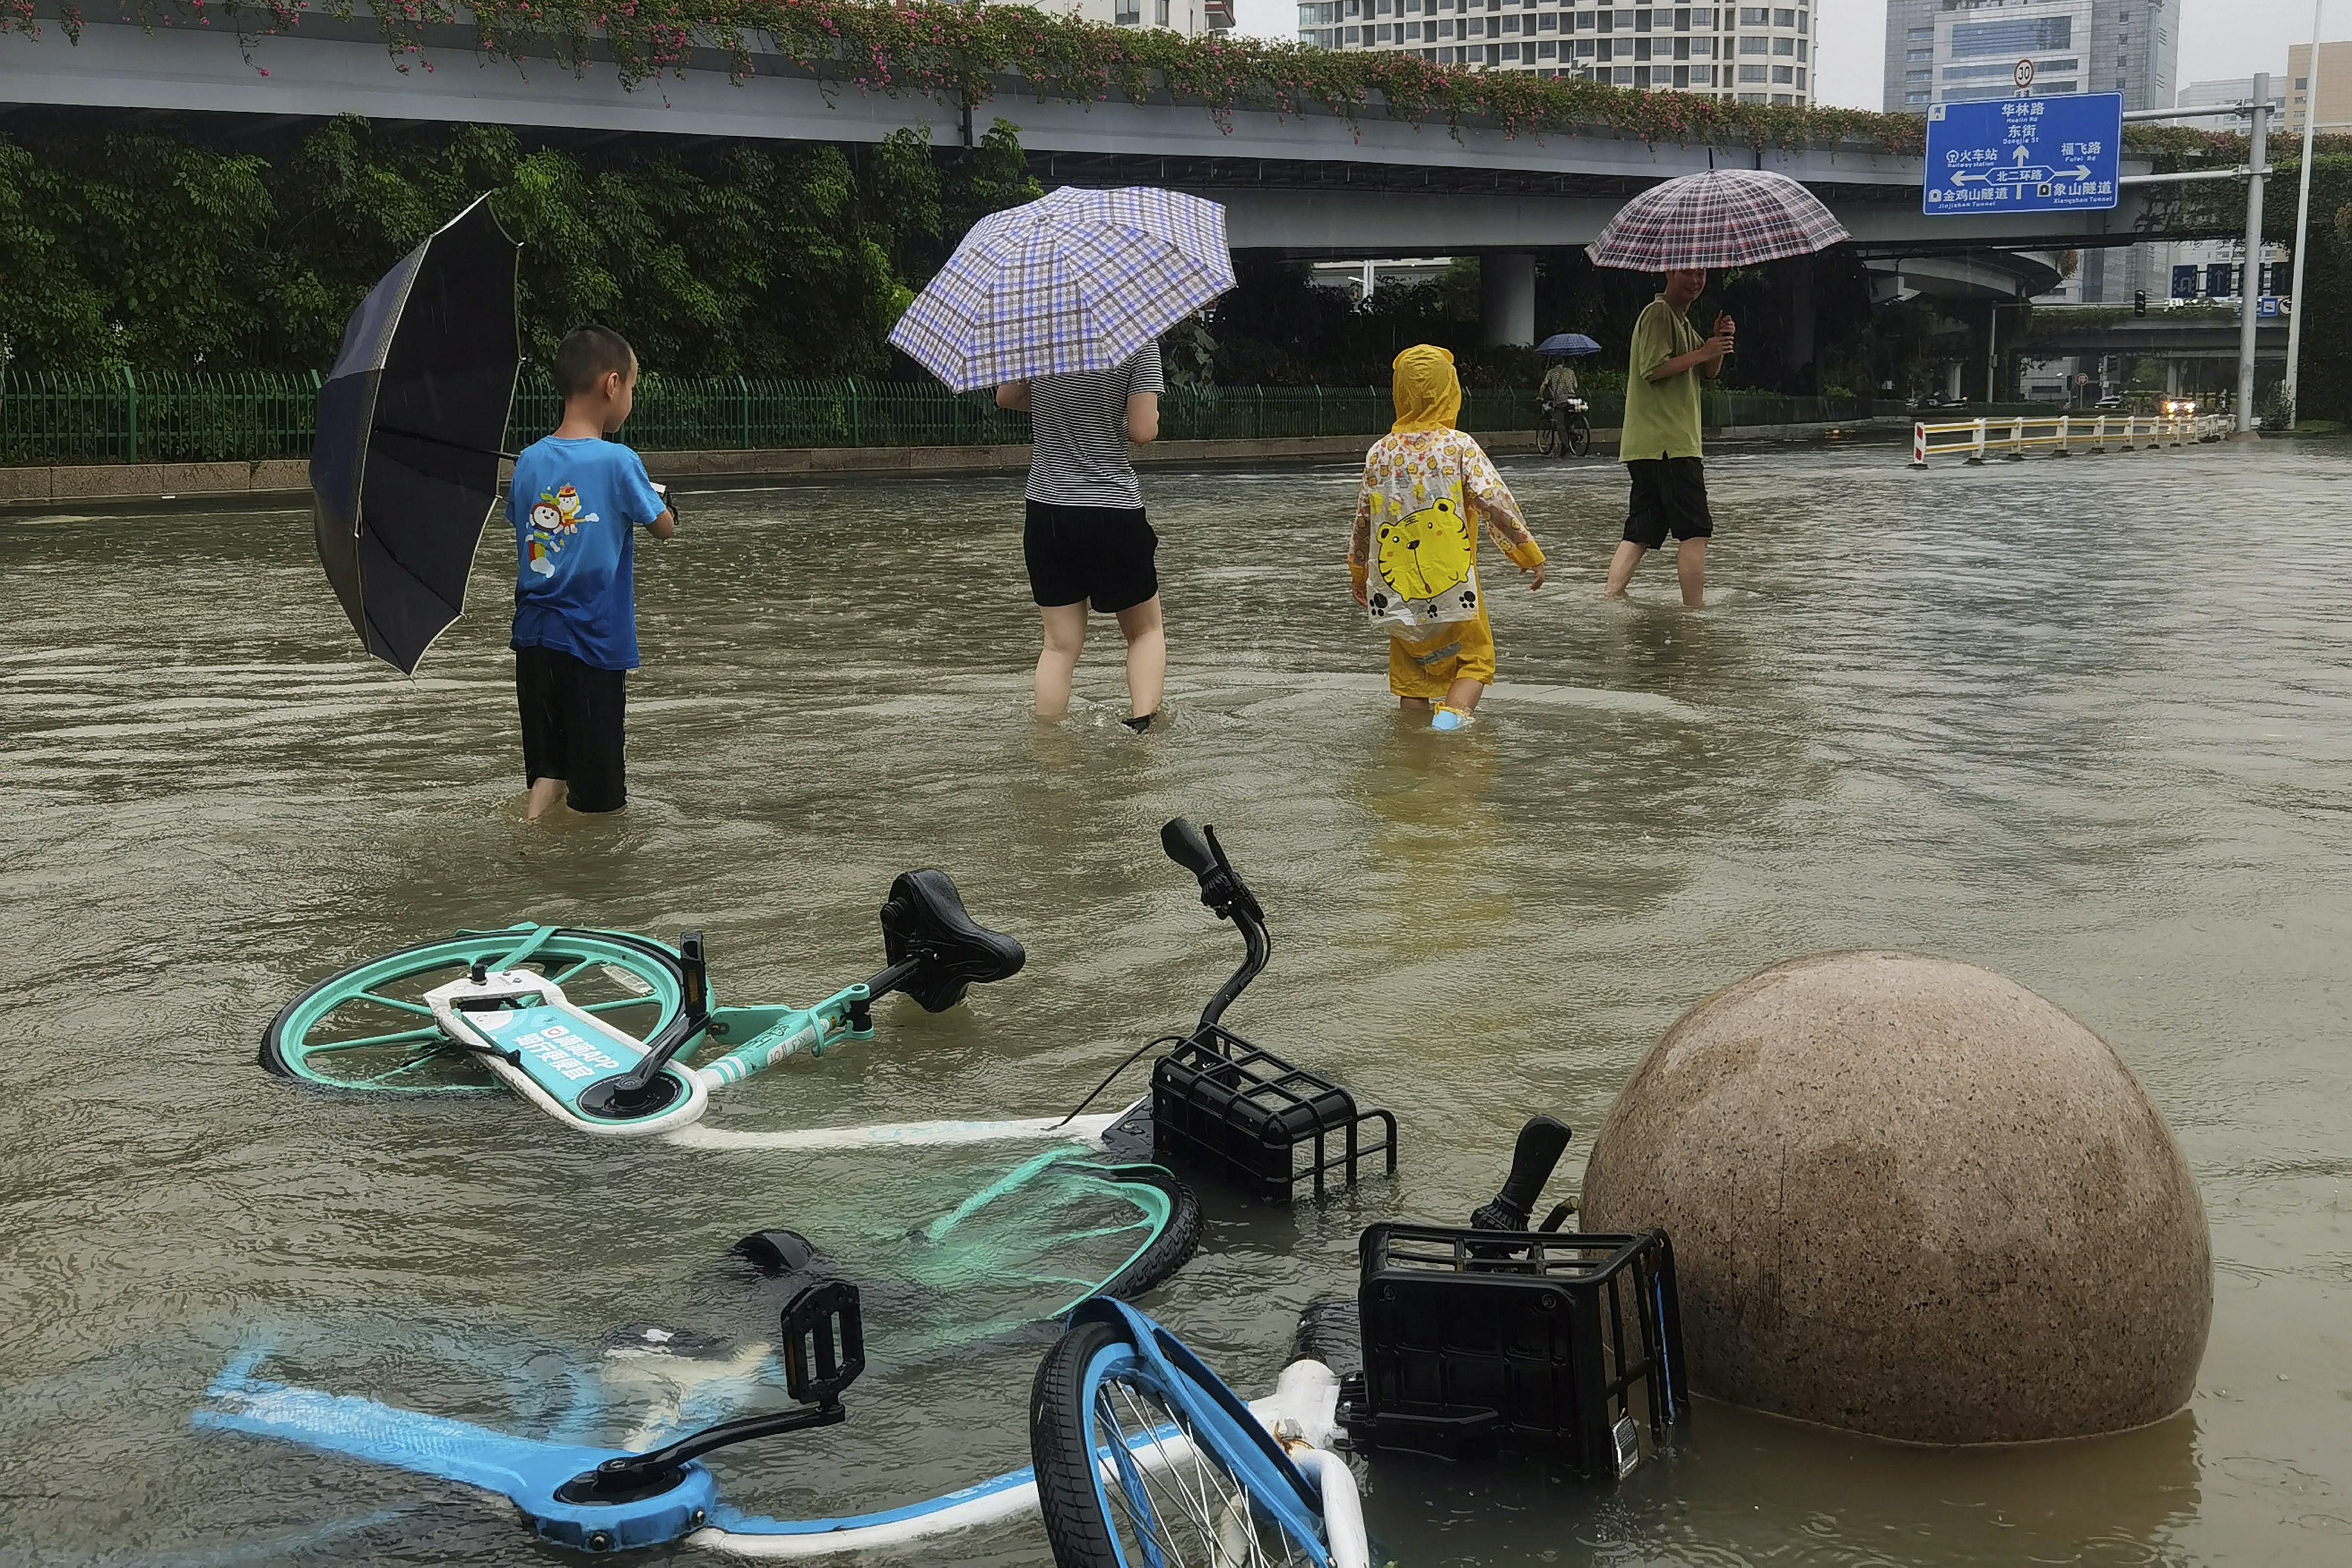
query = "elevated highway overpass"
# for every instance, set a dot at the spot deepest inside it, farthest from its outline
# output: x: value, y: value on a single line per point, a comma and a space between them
x: 1306, y: 185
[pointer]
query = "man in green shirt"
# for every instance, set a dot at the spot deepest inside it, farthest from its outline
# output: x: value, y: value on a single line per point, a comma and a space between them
x: 1660, y: 444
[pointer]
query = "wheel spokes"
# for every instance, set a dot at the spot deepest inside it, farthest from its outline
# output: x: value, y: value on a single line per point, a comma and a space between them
x: 402, y: 1037
x: 393, y: 1002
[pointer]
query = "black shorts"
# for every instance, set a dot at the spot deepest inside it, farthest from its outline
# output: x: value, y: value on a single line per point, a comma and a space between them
x: 1099, y: 553
x: 572, y: 726
x: 1669, y: 496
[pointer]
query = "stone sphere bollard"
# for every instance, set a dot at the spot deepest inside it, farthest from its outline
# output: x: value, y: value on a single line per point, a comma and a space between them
x: 1912, y: 1199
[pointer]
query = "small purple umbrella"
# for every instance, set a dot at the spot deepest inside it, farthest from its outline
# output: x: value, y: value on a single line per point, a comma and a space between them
x: 1077, y: 280
x: 1725, y: 217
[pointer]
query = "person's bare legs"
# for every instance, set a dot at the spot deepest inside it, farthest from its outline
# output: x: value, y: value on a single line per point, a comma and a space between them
x: 1147, y: 656
x: 1413, y: 704
x: 1620, y: 568
x: 1690, y: 567
x: 1065, y: 634
x: 546, y: 794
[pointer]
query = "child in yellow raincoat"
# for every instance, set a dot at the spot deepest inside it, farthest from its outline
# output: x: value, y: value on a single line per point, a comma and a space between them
x: 1415, y: 557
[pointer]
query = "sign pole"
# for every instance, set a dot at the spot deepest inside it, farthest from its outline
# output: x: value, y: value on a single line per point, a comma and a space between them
x: 2301, y: 210
x: 2257, y: 148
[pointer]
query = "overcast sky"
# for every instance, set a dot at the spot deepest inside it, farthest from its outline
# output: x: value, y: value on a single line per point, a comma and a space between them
x: 2219, y: 38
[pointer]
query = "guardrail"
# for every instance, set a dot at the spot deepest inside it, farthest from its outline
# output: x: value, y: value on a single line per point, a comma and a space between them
x: 1975, y: 440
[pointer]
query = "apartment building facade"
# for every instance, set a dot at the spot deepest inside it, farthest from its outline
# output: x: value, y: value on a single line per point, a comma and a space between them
x: 2334, y: 91
x: 1754, y: 54
x: 1190, y: 18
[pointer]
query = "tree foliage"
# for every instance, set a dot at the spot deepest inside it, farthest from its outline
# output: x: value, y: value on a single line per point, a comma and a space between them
x: 157, y: 250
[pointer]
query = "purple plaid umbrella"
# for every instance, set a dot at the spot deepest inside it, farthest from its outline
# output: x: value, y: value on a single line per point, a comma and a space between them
x: 1079, y: 280
x: 1725, y: 217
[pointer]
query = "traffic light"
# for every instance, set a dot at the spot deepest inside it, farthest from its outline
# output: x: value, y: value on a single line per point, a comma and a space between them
x: 2139, y: 302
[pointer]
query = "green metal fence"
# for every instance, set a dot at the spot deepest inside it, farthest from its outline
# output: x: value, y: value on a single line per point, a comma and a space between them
x: 118, y: 417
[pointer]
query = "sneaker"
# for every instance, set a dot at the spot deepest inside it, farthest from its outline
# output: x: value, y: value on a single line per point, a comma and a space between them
x: 1140, y: 722
x: 1449, y: 718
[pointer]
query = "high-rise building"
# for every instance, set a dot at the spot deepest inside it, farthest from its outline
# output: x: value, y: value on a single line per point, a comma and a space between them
x: 1191, y: 17
x: 1755, y: 54
x: 2333, y: 93
x: 1950, y: 51
x: 2231, y: 90
x: 1953, y: 51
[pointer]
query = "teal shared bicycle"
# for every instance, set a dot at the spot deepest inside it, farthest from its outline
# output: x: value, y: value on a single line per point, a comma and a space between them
x: 609, y: 1032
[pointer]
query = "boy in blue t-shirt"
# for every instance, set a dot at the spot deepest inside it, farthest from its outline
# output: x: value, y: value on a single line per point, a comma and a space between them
x: 576, y: 500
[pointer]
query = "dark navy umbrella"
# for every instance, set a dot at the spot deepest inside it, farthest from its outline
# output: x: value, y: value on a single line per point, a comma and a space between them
x: 411, y: 421
x: 1566, y: 345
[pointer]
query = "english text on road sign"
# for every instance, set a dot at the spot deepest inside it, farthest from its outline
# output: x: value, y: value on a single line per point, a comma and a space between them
x: 2023, y: 155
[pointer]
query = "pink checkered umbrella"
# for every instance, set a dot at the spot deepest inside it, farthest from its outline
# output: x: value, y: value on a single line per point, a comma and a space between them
x: 1725, y: 217
x: 1078, y: 280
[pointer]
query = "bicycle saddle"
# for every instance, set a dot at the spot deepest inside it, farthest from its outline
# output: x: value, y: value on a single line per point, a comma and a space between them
x: 923, y: 920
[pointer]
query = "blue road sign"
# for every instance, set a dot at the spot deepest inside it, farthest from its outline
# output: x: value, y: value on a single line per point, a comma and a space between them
x: 2024, y: 154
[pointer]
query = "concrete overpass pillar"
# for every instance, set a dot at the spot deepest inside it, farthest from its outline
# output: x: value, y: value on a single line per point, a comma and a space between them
x: 1797, y: 341
x: 1507, y: 298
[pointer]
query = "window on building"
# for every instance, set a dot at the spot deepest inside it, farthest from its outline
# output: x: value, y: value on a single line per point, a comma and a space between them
x: 1784, y: 45
x: 1547, y: 23
x: 1784, y: 18
x: 1755, y: 73
x: 1129, y: 13
x: 1163, y: 12
x: 1754, y: 17
x: 1801, y: 76
x: 1752, y: 45
x: 2024, y: 35
x: 1783, y: 73
x: 1801, y: 48
x: 1919, y: 56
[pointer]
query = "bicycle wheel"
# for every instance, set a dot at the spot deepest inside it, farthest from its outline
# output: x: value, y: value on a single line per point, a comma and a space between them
x: 1135, y: 1471
x: 1579, y: 436
x: 1547, y: 437
x: 369, y: 1028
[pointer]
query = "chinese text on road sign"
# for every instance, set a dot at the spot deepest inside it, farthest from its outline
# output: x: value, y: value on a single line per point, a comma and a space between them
x: 2024, y: 154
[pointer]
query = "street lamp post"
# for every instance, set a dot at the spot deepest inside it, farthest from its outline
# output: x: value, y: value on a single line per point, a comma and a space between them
x: 2252, y: 272
x: 2301, y: 210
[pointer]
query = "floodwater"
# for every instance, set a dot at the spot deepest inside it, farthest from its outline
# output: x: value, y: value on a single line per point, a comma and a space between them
x: 2086, y: 723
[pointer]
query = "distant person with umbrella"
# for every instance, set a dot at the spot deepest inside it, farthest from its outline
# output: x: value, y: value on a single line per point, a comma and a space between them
x: 577, y: 501
x: 1724, y: 218
x: 1563, y: 404
x: 1059, y: 304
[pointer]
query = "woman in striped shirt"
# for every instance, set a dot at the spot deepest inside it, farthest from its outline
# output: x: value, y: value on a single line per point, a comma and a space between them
x: 1087, y: 539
